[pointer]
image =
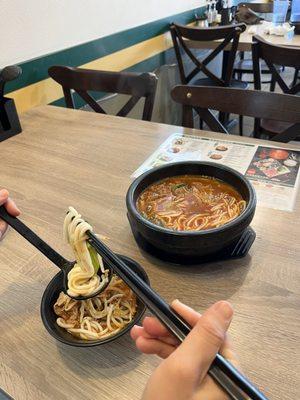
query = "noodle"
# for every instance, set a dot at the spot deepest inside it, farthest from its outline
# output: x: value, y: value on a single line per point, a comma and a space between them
x: 187, y: 203
x: 83, y: 278
x: 99, y: 317
x: 103, y: 315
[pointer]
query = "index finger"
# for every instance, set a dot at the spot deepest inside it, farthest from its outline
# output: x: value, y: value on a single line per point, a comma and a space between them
x: 11, y: 208
x: 3, y: 196
x: 187, y: 313
x: 155, y: 328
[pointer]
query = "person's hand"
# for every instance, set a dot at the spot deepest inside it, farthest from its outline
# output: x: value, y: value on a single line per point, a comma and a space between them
x: 10, y: 207
x: 182, y: 375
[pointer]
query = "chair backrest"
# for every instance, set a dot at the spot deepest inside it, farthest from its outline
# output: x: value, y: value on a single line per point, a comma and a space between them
x: 137, y: 85
x: 252, y: 103
x: 262, y: 8
x: 274, y: 55
x: 226, y: 37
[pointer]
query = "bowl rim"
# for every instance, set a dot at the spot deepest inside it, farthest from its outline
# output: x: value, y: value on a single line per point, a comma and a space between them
x: 131, y: 206
x: 92, y: 343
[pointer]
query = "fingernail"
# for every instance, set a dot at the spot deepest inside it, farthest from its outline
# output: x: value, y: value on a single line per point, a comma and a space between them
x: 135, y: 327
x: 224, y: 309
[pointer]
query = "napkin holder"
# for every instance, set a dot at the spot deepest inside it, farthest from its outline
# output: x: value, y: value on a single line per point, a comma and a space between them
x: 9, y: 120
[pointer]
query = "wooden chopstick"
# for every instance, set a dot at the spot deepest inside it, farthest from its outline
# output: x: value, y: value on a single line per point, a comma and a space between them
x: 236, y: 385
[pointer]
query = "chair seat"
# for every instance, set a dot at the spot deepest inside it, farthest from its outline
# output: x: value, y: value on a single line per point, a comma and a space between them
x: 271, y: 127
x: 246, y: 66
x: 209, y: 82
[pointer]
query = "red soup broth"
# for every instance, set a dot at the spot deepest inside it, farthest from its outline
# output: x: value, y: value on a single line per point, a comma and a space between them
x: 190, y: 202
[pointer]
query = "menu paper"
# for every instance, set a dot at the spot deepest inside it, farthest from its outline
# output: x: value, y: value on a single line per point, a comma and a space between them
x: 273, y: 171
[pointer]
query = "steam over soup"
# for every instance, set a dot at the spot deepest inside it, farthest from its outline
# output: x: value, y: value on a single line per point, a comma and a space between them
x: 190, y: 203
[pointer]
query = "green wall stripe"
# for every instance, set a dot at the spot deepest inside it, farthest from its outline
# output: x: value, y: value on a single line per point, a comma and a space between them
x: 37, y: 69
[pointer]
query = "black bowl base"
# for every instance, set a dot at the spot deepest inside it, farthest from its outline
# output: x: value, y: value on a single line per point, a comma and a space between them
x: 238, y: 249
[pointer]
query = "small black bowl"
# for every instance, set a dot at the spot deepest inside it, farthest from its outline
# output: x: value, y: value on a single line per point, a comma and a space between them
x: 49, y: 317
x: 184, y: 246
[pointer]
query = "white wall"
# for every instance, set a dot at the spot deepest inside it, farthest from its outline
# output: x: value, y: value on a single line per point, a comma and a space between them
x: 32, y: 28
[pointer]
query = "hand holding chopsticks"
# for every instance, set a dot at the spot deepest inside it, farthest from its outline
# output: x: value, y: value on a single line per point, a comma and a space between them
x: 223, y: 372
x: 186, y: 365
x: 10, y: 206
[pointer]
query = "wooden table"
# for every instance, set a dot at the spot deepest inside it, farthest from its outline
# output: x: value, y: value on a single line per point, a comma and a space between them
x: 246, y: 40
x: 65, y: 157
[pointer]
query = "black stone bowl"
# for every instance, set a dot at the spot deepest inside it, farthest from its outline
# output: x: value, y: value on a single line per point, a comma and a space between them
x: 49, y: 317
x: 189, y: 245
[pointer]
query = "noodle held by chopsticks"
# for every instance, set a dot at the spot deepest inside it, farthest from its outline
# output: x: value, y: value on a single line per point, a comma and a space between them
x: 103, y: 315
x: 83, y: 279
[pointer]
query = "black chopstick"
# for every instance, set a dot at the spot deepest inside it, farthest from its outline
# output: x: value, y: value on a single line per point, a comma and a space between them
x: 237, y: 386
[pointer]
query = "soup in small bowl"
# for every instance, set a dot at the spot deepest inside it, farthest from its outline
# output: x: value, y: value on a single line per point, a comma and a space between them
x: 190, y: 209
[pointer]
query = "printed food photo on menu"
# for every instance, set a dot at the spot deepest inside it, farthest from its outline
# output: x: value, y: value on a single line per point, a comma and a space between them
x: 274, y: 165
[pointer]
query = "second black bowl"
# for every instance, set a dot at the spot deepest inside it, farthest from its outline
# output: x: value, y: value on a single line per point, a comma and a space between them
x: 49, y: 317
x: 189, y: 245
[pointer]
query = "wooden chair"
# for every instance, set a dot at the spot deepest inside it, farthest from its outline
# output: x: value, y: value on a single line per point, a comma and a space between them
x: 252, y: 103
x: 274, y: 55
x: 226, y: 37
x: 245, y: 66
x: 81, y: 81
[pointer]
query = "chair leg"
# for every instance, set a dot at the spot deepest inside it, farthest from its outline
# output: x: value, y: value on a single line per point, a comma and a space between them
x: 201, y: 123
x: 240, y: 74
x: 272, y: 84
x: 295, y: 77
x: 256, y: 133
x: 222, y: 117
x: 241, y: 125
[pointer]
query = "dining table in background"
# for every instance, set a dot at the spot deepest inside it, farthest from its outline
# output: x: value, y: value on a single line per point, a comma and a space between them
x: 245, y: 41
x: 65, y: 157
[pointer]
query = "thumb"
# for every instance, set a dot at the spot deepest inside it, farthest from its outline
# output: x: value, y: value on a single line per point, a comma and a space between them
x: 200, y: 347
